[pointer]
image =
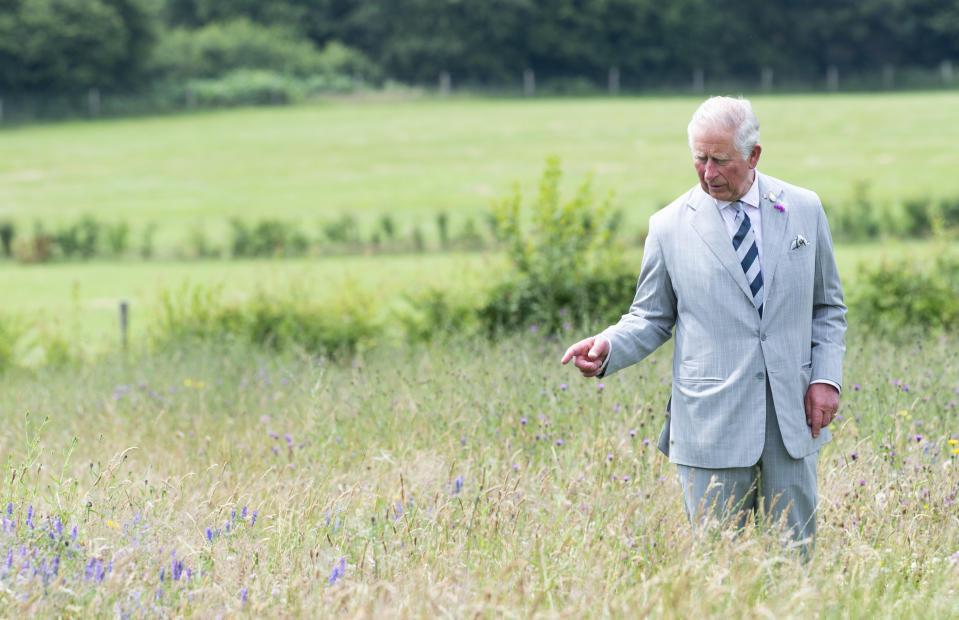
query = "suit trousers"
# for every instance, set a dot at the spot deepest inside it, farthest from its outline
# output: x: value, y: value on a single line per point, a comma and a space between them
x: 787, y: 489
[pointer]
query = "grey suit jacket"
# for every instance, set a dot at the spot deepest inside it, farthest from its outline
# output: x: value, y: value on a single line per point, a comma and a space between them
x: 691, y: 281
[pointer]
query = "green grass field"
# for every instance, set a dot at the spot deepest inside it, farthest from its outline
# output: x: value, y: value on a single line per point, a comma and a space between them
x: 413, y: 159
x: 81, y: 300
x: 464, y: 480
x: 463, y: 477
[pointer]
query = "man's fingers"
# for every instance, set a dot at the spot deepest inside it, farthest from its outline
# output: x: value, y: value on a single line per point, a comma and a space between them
x: 573, y: 351
x: 816, y: 422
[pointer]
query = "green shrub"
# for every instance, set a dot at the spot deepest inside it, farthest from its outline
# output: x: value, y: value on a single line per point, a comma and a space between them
x: 433, y: 316
x: 222, y: 47
x: 860, y: 219
x: 344, y: 229
x: 918, y: 218
x: 906, y: 294
x: 279, y: 322
x: 79, y: 239
x: 246, y: 87
x: 6, y: 237
x: 566, y: 265
x: 268, y: 238
x: 117, y: 236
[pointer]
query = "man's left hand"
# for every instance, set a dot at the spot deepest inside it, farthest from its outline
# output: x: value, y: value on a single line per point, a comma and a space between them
x: 822, y: 401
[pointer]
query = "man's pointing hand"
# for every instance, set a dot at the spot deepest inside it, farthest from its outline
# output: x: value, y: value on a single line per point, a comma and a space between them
x: 588, y: 355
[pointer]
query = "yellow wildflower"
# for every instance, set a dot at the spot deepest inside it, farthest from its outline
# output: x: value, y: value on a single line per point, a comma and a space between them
x: 953, y: 442
x: 187, y: 382
x: 113, y: 524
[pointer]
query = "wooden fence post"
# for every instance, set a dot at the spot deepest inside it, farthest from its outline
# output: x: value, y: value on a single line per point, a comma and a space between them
x: 124, y: 322
x: 832, y: 78
x: 699, y: 80
x: 445, y: 83
x: 93, y: 101
x: 614, y: 80
x: 766, y: 79
x: 888, y: 76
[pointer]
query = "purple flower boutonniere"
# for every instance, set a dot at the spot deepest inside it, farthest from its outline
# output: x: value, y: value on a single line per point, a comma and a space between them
x: 778, y: 203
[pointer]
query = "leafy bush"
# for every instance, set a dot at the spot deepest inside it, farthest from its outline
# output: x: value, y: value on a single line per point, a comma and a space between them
x: 906, y: 294
x: 79, y: 239
x: 118, y: 237
x: 278, y: 322
x: 344, y: 229
x: 859, y: 220
x: 433, y: 315
x: 223, y: 47
x: 6, y: 237
x: 269, y: 237
x: 566, y: 265
x: 246, y: 87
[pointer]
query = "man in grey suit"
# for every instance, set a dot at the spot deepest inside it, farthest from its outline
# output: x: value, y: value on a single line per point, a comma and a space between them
x: 742, y: 267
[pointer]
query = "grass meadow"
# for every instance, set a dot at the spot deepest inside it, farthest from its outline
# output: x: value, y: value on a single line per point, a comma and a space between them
x: 464, y: 479
x: 413, y: 159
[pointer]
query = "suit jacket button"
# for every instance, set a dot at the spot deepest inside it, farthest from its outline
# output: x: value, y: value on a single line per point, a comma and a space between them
x: 763, y: 337
x: 759, y: 375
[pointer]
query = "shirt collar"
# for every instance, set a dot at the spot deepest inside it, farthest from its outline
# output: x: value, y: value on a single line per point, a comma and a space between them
x: 750, y: 198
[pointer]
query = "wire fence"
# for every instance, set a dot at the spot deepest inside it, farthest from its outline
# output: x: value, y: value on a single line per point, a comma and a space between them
x: 21, y: 108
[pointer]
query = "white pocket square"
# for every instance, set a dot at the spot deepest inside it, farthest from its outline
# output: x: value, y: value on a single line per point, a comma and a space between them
x: 798, y: 242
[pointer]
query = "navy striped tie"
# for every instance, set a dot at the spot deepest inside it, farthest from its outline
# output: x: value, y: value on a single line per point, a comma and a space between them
x: 744, y: 242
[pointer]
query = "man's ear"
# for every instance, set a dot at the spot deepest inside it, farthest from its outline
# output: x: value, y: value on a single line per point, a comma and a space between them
x: 753, y: 159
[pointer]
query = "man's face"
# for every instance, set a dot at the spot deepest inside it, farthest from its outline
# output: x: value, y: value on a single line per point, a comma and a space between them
x: 723, y: 173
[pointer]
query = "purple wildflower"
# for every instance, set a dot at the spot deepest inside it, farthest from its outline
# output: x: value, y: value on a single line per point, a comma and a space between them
x: 457, y: 485
x: 209, y: 534
x: 559, y: 442
x: 253, y: 520
x: 243, y: 595
x: 338, y: 571
x: 563, y: 386
x: 856, y: 387
x: 523, y: 421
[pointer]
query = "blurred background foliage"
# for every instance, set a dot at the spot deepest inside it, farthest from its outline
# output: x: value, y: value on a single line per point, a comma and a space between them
x: 57, y: 46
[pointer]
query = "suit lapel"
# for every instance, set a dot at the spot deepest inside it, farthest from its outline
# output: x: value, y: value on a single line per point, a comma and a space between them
x: 707, y: 222
x: 774, y: 228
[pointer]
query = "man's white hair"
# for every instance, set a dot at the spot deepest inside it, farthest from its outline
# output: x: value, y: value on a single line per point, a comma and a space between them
x: 731, y: 114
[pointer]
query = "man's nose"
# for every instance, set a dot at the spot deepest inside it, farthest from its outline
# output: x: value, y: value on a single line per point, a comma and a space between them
x: 710, y: 172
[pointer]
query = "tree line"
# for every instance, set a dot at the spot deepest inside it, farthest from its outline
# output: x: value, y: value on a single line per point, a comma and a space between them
x: 64, y: 45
